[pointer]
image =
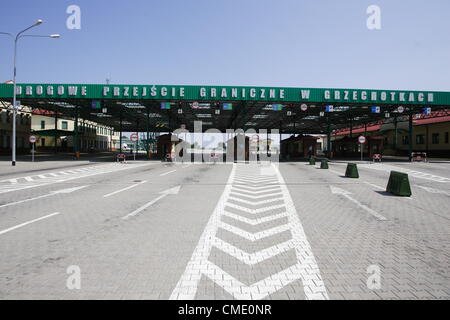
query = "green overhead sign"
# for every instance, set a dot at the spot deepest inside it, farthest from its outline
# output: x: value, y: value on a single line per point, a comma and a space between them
x: 225, y: 93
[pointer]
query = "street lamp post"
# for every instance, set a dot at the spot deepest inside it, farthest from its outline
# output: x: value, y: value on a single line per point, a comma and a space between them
x: 16, y: 38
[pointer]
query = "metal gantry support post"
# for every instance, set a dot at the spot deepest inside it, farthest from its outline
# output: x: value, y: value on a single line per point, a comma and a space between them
x: 120, y: 137
x: 56, y: 132
x: 328, y: 137
x: 367, y: 142
x: 395, y: 136
x: 147, y: 145
x: 137, y: 142
x: 410, y: 135
x: 75, y: 135
x: 351, y: 128
x: 279, y: 139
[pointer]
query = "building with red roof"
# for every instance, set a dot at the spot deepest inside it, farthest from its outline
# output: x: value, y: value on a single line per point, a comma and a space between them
x: 391, y: 137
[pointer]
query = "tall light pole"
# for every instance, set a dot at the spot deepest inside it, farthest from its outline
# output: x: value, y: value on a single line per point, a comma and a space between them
x: 16, y: 38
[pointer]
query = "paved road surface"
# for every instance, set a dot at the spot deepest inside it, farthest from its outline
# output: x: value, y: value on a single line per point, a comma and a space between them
x: 150, y: 230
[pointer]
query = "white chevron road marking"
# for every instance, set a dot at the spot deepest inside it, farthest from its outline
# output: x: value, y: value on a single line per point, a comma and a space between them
x: 256, y: 192
x: 255, y: 181
x: 255, y: 189
x: 305, y: 269
x: 256, y: 185
x: 253, y: 236
x: 275, y: 194
x: 260, y: 289
x: 255, y: 203
x: 257, y: 221
x: 253, y: 258
x: 254, y: 211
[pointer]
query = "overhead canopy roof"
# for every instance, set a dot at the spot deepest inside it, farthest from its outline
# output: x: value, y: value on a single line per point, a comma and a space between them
x: 222, y: 107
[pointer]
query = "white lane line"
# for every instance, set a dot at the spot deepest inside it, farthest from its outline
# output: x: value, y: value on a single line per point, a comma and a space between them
x: 166, y: 173
x: 432, y: 190
x: 52, y: 193
x: 384, y: 189
x: 106, y: 169
x: 412, y: 173
x: 28, y: 222
x: 337, y: 172
x: 345, y: 193
x: 164, y: 193
x: 124, y: 189
x: 374, y: 185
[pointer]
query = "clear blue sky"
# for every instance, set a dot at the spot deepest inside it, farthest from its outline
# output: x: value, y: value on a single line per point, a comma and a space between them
x: 298, y: 43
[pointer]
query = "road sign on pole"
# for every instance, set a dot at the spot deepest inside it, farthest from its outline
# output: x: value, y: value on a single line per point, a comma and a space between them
x: 32, y: 140
x: 362, y: 140
x: 134, y: 137
x: 426, y: 111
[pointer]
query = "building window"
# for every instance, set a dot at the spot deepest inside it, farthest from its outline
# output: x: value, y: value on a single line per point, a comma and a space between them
x: 446, y: 137
x: 42, y: 142
x: 435, y: 138
x: 405, y: 139
x: 420, y: 139
x: 64, y: 125
x: 43, y: 125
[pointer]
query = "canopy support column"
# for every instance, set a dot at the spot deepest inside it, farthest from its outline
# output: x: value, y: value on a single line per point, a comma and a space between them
x: 56, y: 132
x: 395, y: 136
x: 75, y: 135
x: 120, y: 129
x: 410, y: 136
x: 328, y: 138
x: 147, y: 145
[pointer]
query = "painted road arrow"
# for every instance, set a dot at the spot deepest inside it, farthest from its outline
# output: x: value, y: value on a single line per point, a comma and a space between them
x: 52, y: 193
x: 165, y: 193
x: 345, y: 193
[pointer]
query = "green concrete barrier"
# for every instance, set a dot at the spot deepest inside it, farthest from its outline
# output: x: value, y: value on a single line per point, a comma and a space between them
x: 312, y: 161
x: 399, y: 184
x: 352, y: 171
x: 324, y: 164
